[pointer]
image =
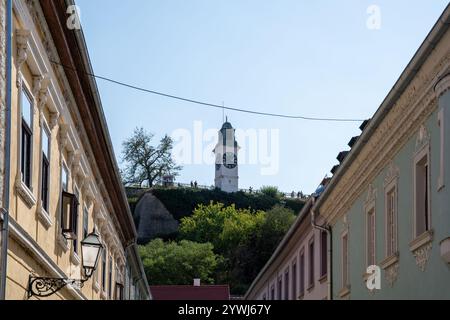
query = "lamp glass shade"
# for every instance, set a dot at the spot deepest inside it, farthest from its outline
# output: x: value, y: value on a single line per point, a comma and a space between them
x: 90, y: 249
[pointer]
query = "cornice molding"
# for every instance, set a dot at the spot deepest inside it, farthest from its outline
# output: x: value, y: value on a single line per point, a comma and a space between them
x: 401, y: 124
x: 443, y: 85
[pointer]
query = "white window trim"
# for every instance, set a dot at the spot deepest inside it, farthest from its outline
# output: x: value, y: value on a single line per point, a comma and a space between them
x: 371, y: 211
x: 423, y: 152
x: 311, y: 286
x: 389, y: 188
x: 43, y: 215
x: 62, y: 241
x: 25, y: 192
x: 345, y: 291
x: 369, y: 206
x: 441, y: 124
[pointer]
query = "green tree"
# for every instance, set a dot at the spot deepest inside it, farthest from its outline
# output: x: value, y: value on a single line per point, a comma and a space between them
x: 271, y: 191
x: 144, y: 163
x: 178, y: 263
x: 224, y: 227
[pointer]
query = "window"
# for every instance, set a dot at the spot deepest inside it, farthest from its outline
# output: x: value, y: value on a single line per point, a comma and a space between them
x: 302, y: 274
x: 272, y: 293
x: 280, y: 288
x: 65, y: 179
x: 27, y: 137
x: 323, y: 254
x: 85, y: 223
x: 422, y: 196
x: 119, y: 292
x: 345, y: 273
x: 45, y: 169
x: 264, y: 297
x: 69, y: 209
x: 391, y: 222
x: 110, y: 276
x: 311, y: 263
x: 286, y: 285
x: 75, y: 222
x: 104, y: 270
x: 371, y: 260
x: 294, y: 281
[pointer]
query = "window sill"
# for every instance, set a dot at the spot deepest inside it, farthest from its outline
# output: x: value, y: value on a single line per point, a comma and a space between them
x: 421, y: 248
x: 74, y: 258
x: 390, y: 261
x: 421, y: 241
x: 62, y: 242
x: 323, y: 279
x: 96, y: 286
x: 345, y: 292
x: 44, y: 217
x: 26, y: 194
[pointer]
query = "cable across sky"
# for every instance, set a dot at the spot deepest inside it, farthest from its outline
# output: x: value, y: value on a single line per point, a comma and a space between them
x: 211, y: 105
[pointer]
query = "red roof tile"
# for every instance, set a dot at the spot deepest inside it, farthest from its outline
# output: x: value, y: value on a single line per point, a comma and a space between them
x: 190, y: 293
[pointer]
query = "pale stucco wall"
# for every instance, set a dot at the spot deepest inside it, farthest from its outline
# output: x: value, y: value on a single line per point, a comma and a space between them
x: 34, y: 246
x: 411, y: 282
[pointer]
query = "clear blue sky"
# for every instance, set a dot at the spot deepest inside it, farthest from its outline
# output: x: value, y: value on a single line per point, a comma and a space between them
x: 314, y: 58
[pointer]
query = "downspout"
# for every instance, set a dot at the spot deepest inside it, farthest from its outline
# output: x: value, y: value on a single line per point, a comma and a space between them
x: 7, y: 160
x: 329, y: 251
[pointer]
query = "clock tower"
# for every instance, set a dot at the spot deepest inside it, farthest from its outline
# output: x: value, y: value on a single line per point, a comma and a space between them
x: 226, y: 152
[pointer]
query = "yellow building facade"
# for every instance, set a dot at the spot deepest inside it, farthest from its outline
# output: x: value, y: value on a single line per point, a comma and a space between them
x: 63, y: 177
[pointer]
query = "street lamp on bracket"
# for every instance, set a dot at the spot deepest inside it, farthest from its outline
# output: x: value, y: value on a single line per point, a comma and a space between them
x: 43, y: 287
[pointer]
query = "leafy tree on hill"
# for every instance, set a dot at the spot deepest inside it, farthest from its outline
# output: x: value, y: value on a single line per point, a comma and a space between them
x: 172, y: 263
x: 271, y: 191
x: 145, y: 163
x: 246, y: 239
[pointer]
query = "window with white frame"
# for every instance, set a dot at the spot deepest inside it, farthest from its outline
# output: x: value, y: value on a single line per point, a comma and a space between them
x: 85, y: 222
x: 75, y: 222
x: 104, y: 270
x: 294, y: 280
x: 311, y: 271
x: 422, y: 194
x: 26, y: 156
x: 345, y: 261
x: 323, y: 254
x: 280, y: 288
x: 45, y: 179
x: 391, y: 221
x: 110, y: 278
x: 286, y: 284
x: 302, y: 273
x: 370, y: 237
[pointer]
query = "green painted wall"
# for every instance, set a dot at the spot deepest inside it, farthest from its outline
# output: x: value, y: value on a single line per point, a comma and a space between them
x: 411, y: 283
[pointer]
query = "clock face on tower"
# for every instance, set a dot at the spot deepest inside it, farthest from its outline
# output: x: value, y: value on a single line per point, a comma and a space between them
x: 230, y: 160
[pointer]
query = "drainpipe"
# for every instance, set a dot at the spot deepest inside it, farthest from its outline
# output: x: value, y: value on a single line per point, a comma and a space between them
x: 329, y: 251
x: 5, y: 209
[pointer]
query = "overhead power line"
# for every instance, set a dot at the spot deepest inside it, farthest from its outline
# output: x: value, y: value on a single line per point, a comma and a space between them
x: 207, y: 104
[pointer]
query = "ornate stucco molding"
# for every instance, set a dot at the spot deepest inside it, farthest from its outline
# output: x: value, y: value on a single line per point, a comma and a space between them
x: 22, y: 38
x: 409, y: 113
x: 392, y: 174
x: 423, y: 138
x: 443, y: 85
x: 421, y: 248
x: 422, y: 255
x: 391, y: 274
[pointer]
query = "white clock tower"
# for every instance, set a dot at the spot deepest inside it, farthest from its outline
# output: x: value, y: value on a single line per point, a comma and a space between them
x: 227, y: 176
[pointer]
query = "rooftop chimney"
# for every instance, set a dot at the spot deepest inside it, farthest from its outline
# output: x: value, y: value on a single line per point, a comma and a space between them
x: 197, y: 282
